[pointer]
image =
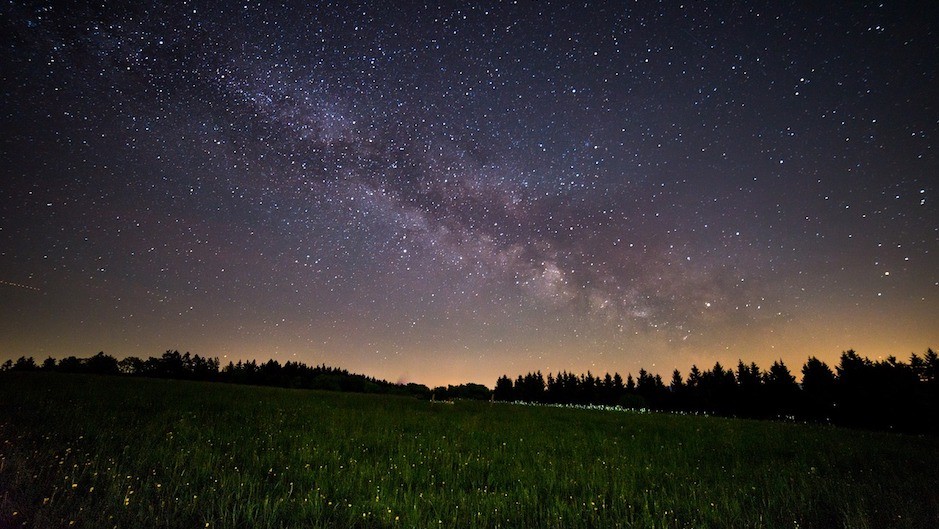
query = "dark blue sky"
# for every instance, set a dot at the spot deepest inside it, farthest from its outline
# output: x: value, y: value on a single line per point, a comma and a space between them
x: 448, y: 193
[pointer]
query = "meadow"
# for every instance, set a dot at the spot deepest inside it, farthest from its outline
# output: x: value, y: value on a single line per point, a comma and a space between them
x: 92, y: 451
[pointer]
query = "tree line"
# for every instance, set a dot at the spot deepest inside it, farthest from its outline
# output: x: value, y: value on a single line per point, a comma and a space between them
x: 185, y: 366
x: 882, y: 394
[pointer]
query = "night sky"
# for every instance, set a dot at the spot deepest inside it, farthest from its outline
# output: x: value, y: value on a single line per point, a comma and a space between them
x: 444, y: 194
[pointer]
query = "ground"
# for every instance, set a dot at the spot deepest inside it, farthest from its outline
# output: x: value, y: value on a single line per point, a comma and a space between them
x: 87, y: 451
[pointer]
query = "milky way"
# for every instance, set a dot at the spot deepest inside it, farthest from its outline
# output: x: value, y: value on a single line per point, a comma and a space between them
x: 447, y: 193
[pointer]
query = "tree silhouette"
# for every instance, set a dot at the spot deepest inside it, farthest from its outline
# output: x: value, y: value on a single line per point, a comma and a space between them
x: 717, y: 390
x: 25, y: 364
x: 504, y: 390
x: 131, y: 366
x: 818, y: 385
x: 855, y: 382
x: 931, y: 371
x: 102, y: 364
x: 886, y: 393
x: 694, y: 376
x: 677, y: 384
x: 71, y: 364
x: 781, y: 389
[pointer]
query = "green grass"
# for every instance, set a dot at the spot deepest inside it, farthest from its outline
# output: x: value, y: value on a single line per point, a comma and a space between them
x: 97, y: 452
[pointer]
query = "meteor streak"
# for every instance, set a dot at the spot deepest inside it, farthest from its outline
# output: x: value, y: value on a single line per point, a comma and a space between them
x: 18, y: 285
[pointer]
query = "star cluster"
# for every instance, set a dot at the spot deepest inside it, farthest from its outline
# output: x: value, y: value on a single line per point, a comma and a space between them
x: 449, y: 192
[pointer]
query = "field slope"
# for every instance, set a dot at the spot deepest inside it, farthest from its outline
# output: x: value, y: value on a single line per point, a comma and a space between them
x: 87, y: 451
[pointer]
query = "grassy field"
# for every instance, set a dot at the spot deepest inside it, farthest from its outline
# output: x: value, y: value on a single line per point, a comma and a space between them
x: 83, y: 451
